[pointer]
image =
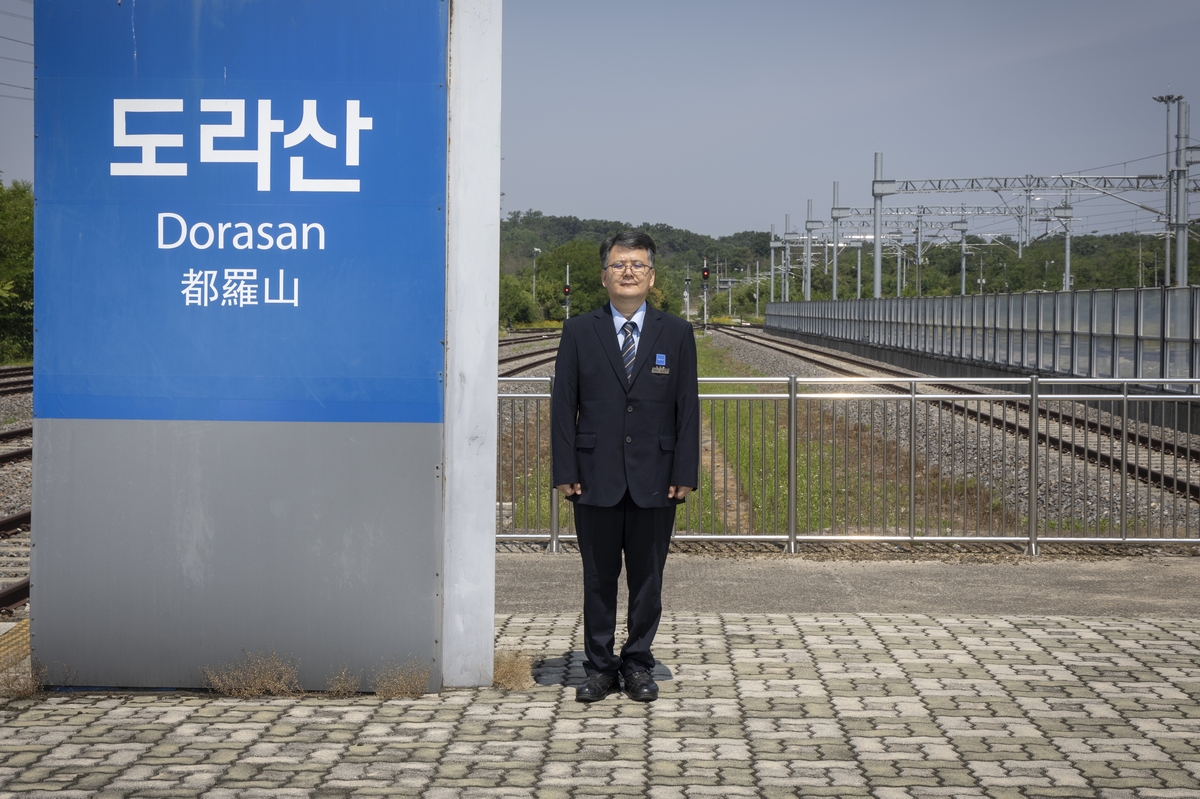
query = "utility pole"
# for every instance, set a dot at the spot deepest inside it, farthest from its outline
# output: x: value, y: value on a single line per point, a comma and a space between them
x: 1166, y: 100
x: 756, y: 289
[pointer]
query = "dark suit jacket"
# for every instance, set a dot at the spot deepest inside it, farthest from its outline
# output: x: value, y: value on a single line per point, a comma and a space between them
x: 610, y: 435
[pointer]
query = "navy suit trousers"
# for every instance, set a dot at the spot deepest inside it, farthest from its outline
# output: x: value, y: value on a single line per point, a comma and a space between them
x: 643, y: 535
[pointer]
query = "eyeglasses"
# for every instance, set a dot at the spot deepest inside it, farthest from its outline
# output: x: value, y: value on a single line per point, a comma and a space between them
x: 634, y: 266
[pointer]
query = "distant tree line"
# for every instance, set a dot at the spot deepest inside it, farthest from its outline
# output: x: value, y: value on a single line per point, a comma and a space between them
x: 568, y: 239
x: 16, y: 272
x: 1112, y: 261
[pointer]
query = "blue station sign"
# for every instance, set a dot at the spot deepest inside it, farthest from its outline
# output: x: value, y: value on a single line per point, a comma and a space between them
x: 240, y: 210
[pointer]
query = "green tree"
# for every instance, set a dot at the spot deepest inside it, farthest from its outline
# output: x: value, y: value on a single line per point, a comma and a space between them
x: 516, y: 302
x: 16, y: 271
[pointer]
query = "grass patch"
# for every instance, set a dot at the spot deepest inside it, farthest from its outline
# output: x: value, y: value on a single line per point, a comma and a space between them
x: 512, y: 670
x: 259, y: 674
x: 395, y: 681
x: 18, y: 682
x: 344, y: 683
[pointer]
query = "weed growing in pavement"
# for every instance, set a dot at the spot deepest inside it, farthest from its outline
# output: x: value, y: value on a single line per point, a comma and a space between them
x: 512, y: 670
x: 343, y: 683
x: 260, y: 674
x: 17, y: 682
x: 393, y: 681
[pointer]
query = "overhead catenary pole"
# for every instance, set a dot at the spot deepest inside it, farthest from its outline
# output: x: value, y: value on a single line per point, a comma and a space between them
x: 961, y: 226
x: 875, y: 189
x: 1181, y: 203
x: 859, y: 249
x: 1166, y: 100
x: 963, y: 250
x: 920, y: 241
x: 835, y: 216
x: 535, y: 255
x: 1068, y: 281
x: 808, y: 255
x: 1023, y: 241
x: 772, y: 264
x: 787, y: 258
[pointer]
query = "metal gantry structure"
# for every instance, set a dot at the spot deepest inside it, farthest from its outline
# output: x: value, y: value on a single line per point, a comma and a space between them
x: 919, y: 218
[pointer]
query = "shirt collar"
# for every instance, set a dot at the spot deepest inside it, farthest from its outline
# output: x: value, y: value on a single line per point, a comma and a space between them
x: 638, y: 318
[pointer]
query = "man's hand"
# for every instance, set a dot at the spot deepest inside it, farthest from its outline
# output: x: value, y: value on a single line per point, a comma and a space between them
x: 678, y: 492
x: 568, y: 489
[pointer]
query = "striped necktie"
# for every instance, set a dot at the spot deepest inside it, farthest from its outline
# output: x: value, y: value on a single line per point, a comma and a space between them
x: 628, y: 350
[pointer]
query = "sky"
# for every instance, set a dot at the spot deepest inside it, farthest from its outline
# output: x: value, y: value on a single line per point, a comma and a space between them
x: 721, y: 117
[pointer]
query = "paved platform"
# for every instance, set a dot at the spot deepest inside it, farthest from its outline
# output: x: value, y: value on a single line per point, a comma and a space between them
x: 886, y: 706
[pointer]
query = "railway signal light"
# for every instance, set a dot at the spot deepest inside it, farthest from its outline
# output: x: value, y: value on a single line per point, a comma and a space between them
x: 706, y: 273
x: 567, y: 290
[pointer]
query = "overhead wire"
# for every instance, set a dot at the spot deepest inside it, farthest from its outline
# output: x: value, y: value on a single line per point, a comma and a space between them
x: 18, y: 60
x: 18, y: 41
x: 14, y: 97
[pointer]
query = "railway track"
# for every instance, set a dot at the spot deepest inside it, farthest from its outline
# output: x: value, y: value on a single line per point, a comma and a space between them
x: 1141, y: 449
x: 16, y: 379
x: 14, y: 562
x: 509, y: 341
x: 513, y: 365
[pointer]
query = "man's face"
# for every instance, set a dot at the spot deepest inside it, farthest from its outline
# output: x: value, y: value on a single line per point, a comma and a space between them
x: 627, y: 286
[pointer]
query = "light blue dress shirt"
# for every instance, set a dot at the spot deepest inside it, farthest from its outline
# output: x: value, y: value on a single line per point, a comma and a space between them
x: 619, y: 322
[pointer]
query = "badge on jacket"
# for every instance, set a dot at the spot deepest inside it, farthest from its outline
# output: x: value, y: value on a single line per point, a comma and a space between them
x: 660, y: 367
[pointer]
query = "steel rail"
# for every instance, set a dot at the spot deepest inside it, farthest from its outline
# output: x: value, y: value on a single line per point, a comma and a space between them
x: 1126, y: 465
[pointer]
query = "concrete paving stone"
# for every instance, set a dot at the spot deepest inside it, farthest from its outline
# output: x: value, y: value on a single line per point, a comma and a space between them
x: 1027, y: 773
x: 367, y: 777
x: 989, y: 727
x: 594, y: 772
x: 928, y: 792
x: 884, y: 705
x: 804, y: 773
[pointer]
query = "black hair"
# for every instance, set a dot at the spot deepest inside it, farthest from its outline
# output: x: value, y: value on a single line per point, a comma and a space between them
x: 629, y: 240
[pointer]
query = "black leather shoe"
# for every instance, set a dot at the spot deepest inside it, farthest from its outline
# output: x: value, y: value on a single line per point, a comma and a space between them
x: 640, y: 687
x: 595, y: 688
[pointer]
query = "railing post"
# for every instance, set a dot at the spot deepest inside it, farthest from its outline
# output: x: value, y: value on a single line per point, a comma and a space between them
x: 912, y: 460
x: 1124, y: 456
x: 1032, y: 547
x: 793, y: 413
x: 554, y: 547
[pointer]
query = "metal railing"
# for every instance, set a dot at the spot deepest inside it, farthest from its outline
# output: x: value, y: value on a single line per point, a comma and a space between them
x: 791, y: 460
x: 1133, y: 334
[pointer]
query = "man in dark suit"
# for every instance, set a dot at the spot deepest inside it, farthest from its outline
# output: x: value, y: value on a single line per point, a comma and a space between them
x: 626, y: 444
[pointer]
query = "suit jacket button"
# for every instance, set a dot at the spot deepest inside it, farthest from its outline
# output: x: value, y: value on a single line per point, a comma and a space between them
x: 629, y: 409
x: 628, y: 439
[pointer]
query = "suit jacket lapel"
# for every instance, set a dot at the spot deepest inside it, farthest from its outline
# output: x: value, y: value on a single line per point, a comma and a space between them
x: 603, y: 325
x: 651, y: 327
